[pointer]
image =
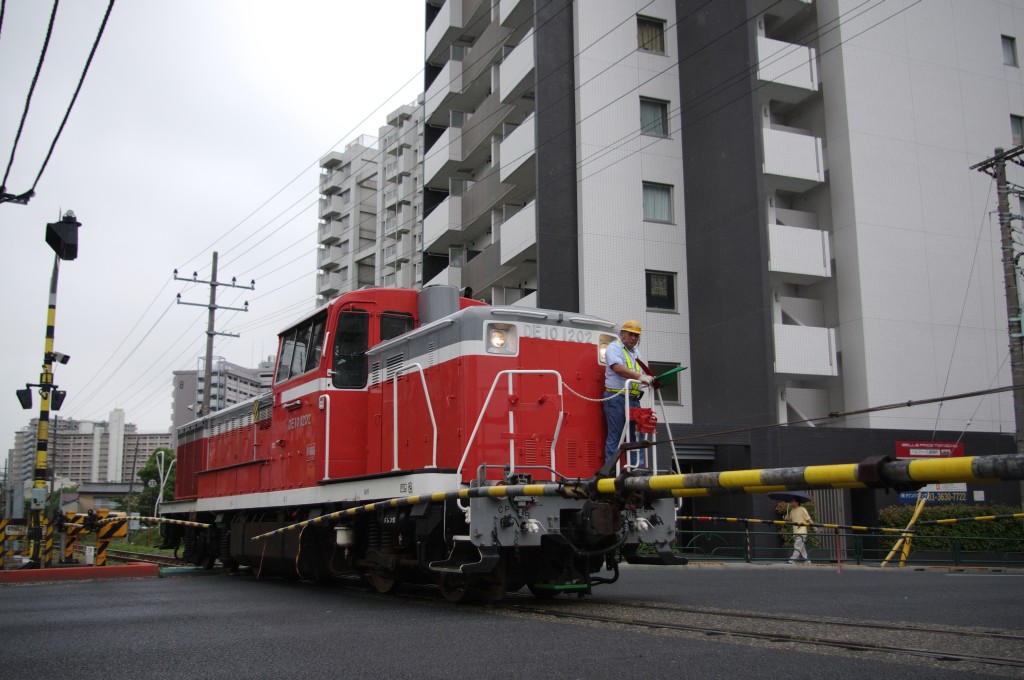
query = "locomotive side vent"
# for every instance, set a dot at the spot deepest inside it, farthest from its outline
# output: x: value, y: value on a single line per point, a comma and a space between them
x: 375, y: 372
x: 394, y: 363
x: 432, y: 353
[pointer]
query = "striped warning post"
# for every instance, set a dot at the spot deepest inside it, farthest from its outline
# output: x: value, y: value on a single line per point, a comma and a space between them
x: 72, y: 531
x: 47, y: 543
x: 3, y: 540
x: 107, y: 531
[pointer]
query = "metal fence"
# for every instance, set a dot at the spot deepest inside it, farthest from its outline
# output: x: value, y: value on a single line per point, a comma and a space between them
x: 748, y: 545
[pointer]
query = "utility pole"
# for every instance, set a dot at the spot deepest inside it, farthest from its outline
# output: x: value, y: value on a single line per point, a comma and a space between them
x: 995, y: 167
x: 210, y: 332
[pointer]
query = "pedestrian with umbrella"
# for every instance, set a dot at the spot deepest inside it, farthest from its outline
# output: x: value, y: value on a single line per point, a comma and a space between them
x: 800, y: 519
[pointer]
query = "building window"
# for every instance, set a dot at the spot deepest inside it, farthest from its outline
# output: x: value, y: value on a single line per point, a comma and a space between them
x: 669, y: 390
x: 661, y: 290
x: 657, y: 202
x: 653, y: 117
x: 1017, y: 130
x: 650, y: 34
x: 1009, y: 51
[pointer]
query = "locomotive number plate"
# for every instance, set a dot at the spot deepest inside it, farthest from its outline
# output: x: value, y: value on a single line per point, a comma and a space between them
x: 545, y: 332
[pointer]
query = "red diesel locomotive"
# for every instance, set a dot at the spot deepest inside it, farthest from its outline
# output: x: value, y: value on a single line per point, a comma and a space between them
x: 388, y: 393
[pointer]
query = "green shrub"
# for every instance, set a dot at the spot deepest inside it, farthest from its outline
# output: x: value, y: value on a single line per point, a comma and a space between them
x: 975, y: 536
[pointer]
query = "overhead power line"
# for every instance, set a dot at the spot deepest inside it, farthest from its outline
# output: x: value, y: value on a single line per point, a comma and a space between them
x: 24, y: 197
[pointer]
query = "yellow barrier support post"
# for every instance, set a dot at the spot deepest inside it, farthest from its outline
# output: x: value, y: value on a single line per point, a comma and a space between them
x: 47, y: 543
x: 72, y: 533
x: 905, y: 537
x: 3, y: 540
x: 102, y: 543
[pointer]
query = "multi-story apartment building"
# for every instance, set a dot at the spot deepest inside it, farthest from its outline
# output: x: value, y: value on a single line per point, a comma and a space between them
x: 230, y: 384
x: 553, y: 163
x: 400, y: 199
x: 87, y: 451
x: 347, y: 257
x: 780, y: 191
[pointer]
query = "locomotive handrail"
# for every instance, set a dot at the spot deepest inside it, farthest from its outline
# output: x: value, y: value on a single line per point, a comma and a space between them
x: 324, y: 402
x: 430, y: 409
x: 624, y: 437
x: 511, y: 444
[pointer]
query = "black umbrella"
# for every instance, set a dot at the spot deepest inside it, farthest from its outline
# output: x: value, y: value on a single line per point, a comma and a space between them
x: 789, y: 495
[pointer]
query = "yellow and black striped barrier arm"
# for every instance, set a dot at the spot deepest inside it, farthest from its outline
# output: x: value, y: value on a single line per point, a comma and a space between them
x: 158, y: 520
x: 499, y: 491
x: 981, y: 518
x: 782, y: 523
x: 881, y: 473
x: 852, y: 527
x: 869, y: 474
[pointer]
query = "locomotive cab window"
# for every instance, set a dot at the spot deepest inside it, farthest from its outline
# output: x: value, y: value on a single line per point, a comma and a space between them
x: 393, y: 324
x: 351, y: 340
x: 301, y: 347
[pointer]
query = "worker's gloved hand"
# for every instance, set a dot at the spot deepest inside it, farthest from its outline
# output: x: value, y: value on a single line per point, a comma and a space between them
x: 646, y: 379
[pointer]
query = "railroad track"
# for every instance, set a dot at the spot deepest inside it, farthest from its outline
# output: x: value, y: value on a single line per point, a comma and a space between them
x: 162, y: 560
x: 912, y: 642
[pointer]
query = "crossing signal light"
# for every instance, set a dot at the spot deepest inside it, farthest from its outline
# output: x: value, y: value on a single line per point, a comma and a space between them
x: 56, y: 399
x: 63, y: 236
x: 25, y: 397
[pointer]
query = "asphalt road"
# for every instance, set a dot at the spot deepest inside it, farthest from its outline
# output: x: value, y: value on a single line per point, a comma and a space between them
x: 222, y: 626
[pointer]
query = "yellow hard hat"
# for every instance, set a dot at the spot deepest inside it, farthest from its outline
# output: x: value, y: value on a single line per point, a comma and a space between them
x: 631, y: 326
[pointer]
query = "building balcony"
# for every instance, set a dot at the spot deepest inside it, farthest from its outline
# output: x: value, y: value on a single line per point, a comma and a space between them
x: 408, y: 162
x: 329, y: 284
x: 443, y: 226
x: 479, y: 199
x: 793, y: 158
x: 514, y: 12
x: 331, y: 207
x: 443, y: 30
x: 805, y: 351
x: 517, y: 151
x: 788, y: 72
x: 331, y: 232
x: 518, y: 235
x: 803, y: 253
x: 486, y: 121
x: 443, y: 93
x: 327, y: 258
x: 516, y: 71
x: 486, y: 50
x: 804, y: 403
x: 331, y: 182
x: 442, y: 159
x: 449, y: 276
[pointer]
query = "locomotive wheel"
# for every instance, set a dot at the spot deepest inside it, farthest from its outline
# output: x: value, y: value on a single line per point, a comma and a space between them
x: 382, y: 584
x: 454, y: 587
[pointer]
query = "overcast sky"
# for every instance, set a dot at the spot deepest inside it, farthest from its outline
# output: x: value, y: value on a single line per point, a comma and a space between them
x: 193, y: 115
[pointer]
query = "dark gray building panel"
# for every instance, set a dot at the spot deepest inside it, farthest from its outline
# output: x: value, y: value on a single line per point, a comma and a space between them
x: 557, y: 234
x: 727, y: 252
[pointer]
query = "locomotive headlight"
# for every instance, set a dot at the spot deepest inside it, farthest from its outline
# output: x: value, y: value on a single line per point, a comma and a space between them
x: 602, y: 346
x: 501, y: 338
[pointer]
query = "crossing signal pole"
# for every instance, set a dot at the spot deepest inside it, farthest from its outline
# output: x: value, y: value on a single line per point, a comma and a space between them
x: 62, y: 237
x: 212, y: 308
x: 995, y: 167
